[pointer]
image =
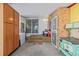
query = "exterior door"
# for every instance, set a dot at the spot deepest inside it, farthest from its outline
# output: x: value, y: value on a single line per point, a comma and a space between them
x: 54, y: 24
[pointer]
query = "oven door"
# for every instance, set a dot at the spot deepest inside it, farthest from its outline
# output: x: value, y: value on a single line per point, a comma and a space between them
x: 68, y: 48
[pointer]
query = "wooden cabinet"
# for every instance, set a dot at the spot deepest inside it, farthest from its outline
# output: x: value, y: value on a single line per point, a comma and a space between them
x: 8, y: 41
x: 10, y: 22
x: 16, y: 16
x: 16, y: 30
x: 8, y: 14
x: 16, y: 37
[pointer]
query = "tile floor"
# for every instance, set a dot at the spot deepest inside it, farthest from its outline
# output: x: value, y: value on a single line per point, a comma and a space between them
x: 35, y: 49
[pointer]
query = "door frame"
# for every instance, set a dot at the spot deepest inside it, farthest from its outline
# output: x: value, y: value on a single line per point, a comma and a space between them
x: 54, y: 18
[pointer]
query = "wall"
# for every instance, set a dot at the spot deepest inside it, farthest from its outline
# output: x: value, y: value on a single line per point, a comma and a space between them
x: 22, y: 35
x: 42, y: 25
x: 74, y: 17
x: 23, y: 20
x: 1, y: 29
x: 74, y: 13
x: 74, y: 33
x: 64, y: 18
x: 31, y: 18
x: 63, y: 15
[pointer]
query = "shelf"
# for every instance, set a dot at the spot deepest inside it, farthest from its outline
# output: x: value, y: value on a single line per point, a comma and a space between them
x: 69, y: 25
x: 72, y: 25
x: 76, y: 25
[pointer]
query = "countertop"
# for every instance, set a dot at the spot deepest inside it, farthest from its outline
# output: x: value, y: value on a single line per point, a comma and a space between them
x: 72, y: 40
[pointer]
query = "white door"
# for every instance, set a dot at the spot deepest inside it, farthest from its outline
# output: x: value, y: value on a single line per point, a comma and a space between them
x: 54, y: 25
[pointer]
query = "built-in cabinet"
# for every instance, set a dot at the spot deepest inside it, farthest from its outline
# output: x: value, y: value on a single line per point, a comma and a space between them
x: 8, y: 39
x: 74, y: 13
x: 10, y: 29
x: 16, y: 30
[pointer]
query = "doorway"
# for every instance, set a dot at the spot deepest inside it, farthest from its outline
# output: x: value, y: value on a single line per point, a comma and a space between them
x: 54, y: 26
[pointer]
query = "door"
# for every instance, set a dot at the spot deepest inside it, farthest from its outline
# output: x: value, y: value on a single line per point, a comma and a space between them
x: 8, y: 38
x: 54, y: 24
x: 16, y: 37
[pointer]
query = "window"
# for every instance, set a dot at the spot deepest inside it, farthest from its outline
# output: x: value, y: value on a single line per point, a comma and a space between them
x: 22, y: 27
x: 28, y: 26
x: 35, y: 26
x: 32, y: 26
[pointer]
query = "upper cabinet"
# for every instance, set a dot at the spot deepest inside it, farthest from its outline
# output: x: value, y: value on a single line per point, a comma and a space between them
x: 16, y: 16
x: 8, y: 14
x: 74, y: 13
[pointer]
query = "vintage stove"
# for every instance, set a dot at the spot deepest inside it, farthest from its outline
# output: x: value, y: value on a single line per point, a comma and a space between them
x: 70, y: 46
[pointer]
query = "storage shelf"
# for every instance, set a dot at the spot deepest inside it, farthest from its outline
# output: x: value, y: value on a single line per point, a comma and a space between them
x: 72, y: 25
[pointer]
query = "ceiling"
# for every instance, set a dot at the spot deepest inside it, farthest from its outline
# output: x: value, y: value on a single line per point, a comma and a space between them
x: 37, y: 9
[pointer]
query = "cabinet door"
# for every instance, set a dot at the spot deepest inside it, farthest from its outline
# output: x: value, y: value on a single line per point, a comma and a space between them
x: 5, y: 42
x: 8, y: 40
x: 16, y: 37
x: 16, y: 16
x: 8, y: 14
